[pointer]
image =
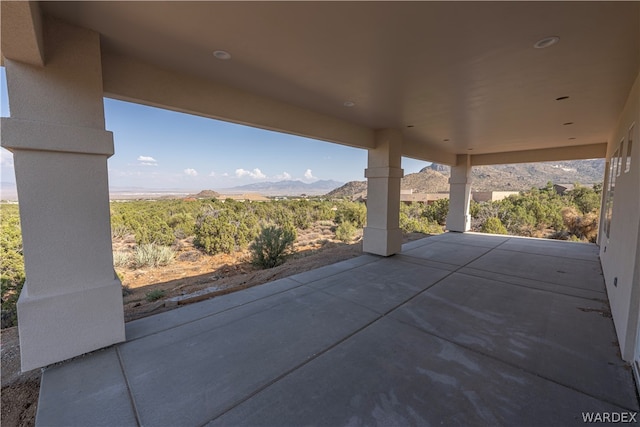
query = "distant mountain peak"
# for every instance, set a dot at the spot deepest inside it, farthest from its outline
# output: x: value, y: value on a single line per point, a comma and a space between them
x: 512, y: 177
x: 289, y: 187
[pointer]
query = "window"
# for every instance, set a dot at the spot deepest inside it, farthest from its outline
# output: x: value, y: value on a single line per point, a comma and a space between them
x: 619, y: 158
x: 627, y: 167
x: 614, y: 167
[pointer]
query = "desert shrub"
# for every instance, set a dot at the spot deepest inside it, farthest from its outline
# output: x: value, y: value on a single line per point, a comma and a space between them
x: 345, y: 231
x: 526, y: 214
x: 301, y: 214
x: 354, y: 212
x: 154, y: 230
x: 585, y: 199
x: 417, y: 225
x: 121, y: 259
x: 225, y: 231
x: 414, y: 219
x: 474, y: 208
x: 155, y: 295
x: 147, y: 220
x: 119, y: 231
x: 580, y: 227
x: 437, y: 211
x: 271, y: 246
x: 152, y: 255
x: 321, y: 211
x: 183, y: 224
x: 494, y: 226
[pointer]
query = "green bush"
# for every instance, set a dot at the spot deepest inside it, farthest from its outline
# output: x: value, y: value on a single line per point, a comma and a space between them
x: 126, y: 290
x: 155, y: 295
x: 121, y: 259
x: 354, y: 212
x: 345, y: 231
x: 493, y: 225
x: 272, y: 246
x: 11, y: 263
x: 585, y: 199
x: 218, y: 233
x: 418, y: 218
x: 437, y: 211
x: 152, y: 255
x: 183, y: 224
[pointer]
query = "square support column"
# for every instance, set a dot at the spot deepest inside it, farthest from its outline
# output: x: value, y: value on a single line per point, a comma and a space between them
x: 458, y: 218
x: 382, y: 235
x: 71, y: 302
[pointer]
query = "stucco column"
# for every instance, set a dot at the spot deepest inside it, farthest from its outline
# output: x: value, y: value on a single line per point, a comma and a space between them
x: 71, y: 302
x: 458, y: 218
x: 382, y: 235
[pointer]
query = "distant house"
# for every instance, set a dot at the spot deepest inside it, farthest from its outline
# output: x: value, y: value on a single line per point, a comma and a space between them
x: 491, y: 196
x: 563, y: 188
x: 251, y: 197
x: 408, y: 197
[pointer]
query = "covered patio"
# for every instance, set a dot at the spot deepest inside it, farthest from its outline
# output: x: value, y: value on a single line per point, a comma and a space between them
x: 457, y: 329
x: 454, y: 329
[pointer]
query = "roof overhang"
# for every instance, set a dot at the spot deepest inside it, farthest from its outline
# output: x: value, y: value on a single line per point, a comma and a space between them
x: 455, y: 77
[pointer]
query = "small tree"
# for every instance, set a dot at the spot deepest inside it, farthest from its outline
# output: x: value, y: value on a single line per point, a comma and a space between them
x: 272, y: 246
x: 493, y: 225
x: 346, y: 231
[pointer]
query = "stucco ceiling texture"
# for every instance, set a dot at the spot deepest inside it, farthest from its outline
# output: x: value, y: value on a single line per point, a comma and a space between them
x: 453, y: 76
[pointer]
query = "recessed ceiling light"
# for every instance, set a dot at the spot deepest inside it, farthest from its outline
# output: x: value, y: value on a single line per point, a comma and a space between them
x: 562, y: 98
x: 349, y: 104
x: 546, y: 42
x: 222, y: 54
x: 567, y: 123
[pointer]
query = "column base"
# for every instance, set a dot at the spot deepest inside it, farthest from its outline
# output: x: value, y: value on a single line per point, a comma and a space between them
x: 383, y: 242
x: 59, y: 327
x: 459, y: 224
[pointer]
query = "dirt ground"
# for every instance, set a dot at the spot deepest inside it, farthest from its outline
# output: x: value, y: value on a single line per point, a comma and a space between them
x: 192, y: 271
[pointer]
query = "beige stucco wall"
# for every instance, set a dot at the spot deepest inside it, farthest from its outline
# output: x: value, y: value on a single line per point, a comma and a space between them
x: 619, y: 252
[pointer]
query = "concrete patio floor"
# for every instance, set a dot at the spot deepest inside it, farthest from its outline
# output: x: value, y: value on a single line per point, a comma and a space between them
x: 458, y: 329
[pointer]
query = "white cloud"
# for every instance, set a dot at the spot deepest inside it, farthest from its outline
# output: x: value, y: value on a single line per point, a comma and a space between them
x: 285, y: 176
x: 212, y: 173
x: 309, y: 175
x: 255, y: 174
x: 6, y: 158
x: 147, y: 161
x: 191, y: 172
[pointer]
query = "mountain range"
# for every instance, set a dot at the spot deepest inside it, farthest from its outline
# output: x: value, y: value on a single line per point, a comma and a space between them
x: 288, y: 187
x: 513, y: 177
x: 431, y: 179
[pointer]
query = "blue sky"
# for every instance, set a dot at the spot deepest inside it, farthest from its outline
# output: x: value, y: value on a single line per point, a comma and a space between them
x: 161, y: 149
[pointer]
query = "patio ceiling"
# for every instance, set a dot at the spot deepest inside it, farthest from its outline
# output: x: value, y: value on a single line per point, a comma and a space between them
x: 456, y: 77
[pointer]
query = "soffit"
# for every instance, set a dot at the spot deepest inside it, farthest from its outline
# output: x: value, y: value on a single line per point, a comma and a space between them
x: 465, y: 72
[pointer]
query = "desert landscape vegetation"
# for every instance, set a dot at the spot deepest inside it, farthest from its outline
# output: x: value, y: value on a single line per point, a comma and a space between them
x: 171, y: 252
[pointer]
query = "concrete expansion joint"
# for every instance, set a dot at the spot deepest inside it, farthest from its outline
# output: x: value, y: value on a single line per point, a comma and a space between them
x: 515, y: 365
x: 132, y: 399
